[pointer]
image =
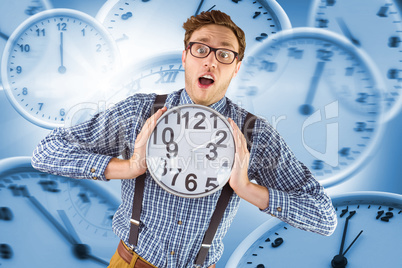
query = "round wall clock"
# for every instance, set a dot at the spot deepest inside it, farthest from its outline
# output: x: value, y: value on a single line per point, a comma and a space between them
x: 191, y: 151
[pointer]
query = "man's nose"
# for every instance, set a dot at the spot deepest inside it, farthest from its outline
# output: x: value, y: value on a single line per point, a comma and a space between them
x: 210, y: 60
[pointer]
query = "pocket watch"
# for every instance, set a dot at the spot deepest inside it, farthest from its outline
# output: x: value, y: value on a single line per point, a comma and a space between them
x: 15, y: 12
x: 132, y: 23
x: 190, y: 153
x: 58, y: 219
x: 54, y: 60
x: 376, y: 27
x: 368, y: 234
x: 322, y: 93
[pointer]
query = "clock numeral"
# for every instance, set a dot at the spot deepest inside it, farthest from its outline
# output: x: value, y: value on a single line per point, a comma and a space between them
x: 171, y: 146
x: 210, y: 183
x: 277, y: 242
x: 349, y: 71
x: 215, y: 117
x: 322, y: 23
x: 62, y: 26
x: 6, y: 251
x: 186, y: 117
x: 83, y: 32
x: 31, y: 10
x: 24, y: 91
x: 167, y: 77
x: 256, y: 14
x: 393, y: 74
x: 98, y: 48
x: 126, y: 16
x: 262, y: 37
x: 361, y: 126
x: 362, y: 97
x: 6, y: 214
x: 198, y: 125
x: 18, y: 69
x: 295, y: 53
x: 324, y: 55
x: 268, y: 66
x: 62, y: 112
x: 382, y: 12
x: 345, y: 151
x: 330, y: 3
x: 394, y: 41
x: 317, y: 165
x: 19, y: 190
x: 40, y: 32
x: 190, y: 182
x: 216, y: 145
x: 388, y: 215
x: 175, y: 176
x: 24, y: 48
x: 40, y: 105
x: 49, y: 186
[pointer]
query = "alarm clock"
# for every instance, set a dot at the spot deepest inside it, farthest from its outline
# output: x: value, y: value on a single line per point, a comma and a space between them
x: 368, y: 234
x: 191, y: 151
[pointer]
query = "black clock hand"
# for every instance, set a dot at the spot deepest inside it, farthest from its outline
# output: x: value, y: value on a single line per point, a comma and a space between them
x: 354, y: 240
x: 48, y: 216
x: 69, y: 226
x: 346, y: 31
x: 81, y: 251
x: 339, y: 261
x: 199, y: 8
x: 4, y: 36
x: 306, y: 108
x: 62, y: 68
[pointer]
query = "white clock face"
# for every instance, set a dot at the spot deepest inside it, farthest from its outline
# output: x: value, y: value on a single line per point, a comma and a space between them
x: 321, y: 93
x: 373, y: 235
x: 377, y: 29
x: 55, y: 60
x: 191, y: 151
x: 162, y: 32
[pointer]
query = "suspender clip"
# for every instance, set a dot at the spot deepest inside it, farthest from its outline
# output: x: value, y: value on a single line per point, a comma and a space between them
x: 135, y: 222
x: 206, y: 245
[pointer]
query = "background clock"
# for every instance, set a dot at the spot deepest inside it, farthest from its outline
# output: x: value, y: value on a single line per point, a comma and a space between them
x: 190, y: 153
x: 15, y: 12
x: 384, y: 17
x: 377, y: 214
x: 53, y: 219
x: 330, y: 118
x: 55, y: 60
x: 142, y: 27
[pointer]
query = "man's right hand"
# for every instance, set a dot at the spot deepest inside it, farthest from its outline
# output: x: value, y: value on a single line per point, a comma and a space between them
x: 136, y: 165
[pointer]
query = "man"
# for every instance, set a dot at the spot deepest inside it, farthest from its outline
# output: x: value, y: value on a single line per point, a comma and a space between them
x: 172, y: 227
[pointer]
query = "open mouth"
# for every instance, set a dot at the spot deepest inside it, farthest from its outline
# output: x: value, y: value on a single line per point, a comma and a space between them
x: 206, y: 80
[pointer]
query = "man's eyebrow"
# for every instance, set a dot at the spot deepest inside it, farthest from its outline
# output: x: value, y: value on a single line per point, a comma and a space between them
x: 222, y: 44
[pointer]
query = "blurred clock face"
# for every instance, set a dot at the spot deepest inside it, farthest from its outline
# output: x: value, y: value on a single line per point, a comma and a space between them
x: 321, y: 93
x: 162, y: 32
x: 377, y: 29
x: 369, y: 218
x: 42, y: 213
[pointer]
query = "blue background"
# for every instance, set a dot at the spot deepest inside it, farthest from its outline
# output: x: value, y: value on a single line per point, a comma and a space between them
x: 18, y: 137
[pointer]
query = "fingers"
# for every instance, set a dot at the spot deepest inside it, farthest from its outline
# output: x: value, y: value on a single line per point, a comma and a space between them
x: 149, y: 126
x: 240, y: 140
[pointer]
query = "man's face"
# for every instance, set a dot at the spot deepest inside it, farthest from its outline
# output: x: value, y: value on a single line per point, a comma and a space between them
x: 201, y: 90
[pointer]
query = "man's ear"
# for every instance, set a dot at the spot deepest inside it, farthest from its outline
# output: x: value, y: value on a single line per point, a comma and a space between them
x: 183, y: 58
x: 237, y: 69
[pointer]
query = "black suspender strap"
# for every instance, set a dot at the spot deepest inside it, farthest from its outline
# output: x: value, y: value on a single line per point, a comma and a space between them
x: 223, y: 200
x: 139, y: 186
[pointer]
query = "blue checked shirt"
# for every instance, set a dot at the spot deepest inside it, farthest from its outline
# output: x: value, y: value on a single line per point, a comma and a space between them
x: 172, y: 227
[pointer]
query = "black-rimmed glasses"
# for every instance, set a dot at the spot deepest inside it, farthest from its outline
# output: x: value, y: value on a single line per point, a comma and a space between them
x: 223, y: 55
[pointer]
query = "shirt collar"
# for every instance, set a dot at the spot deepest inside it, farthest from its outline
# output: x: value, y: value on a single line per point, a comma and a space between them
x: 219, y: 106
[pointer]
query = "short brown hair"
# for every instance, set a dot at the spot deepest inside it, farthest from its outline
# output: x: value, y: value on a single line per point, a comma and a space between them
x: 214, y: 17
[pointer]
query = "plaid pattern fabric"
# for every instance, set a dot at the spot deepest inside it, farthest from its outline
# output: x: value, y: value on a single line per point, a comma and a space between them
x: 172, y: 227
